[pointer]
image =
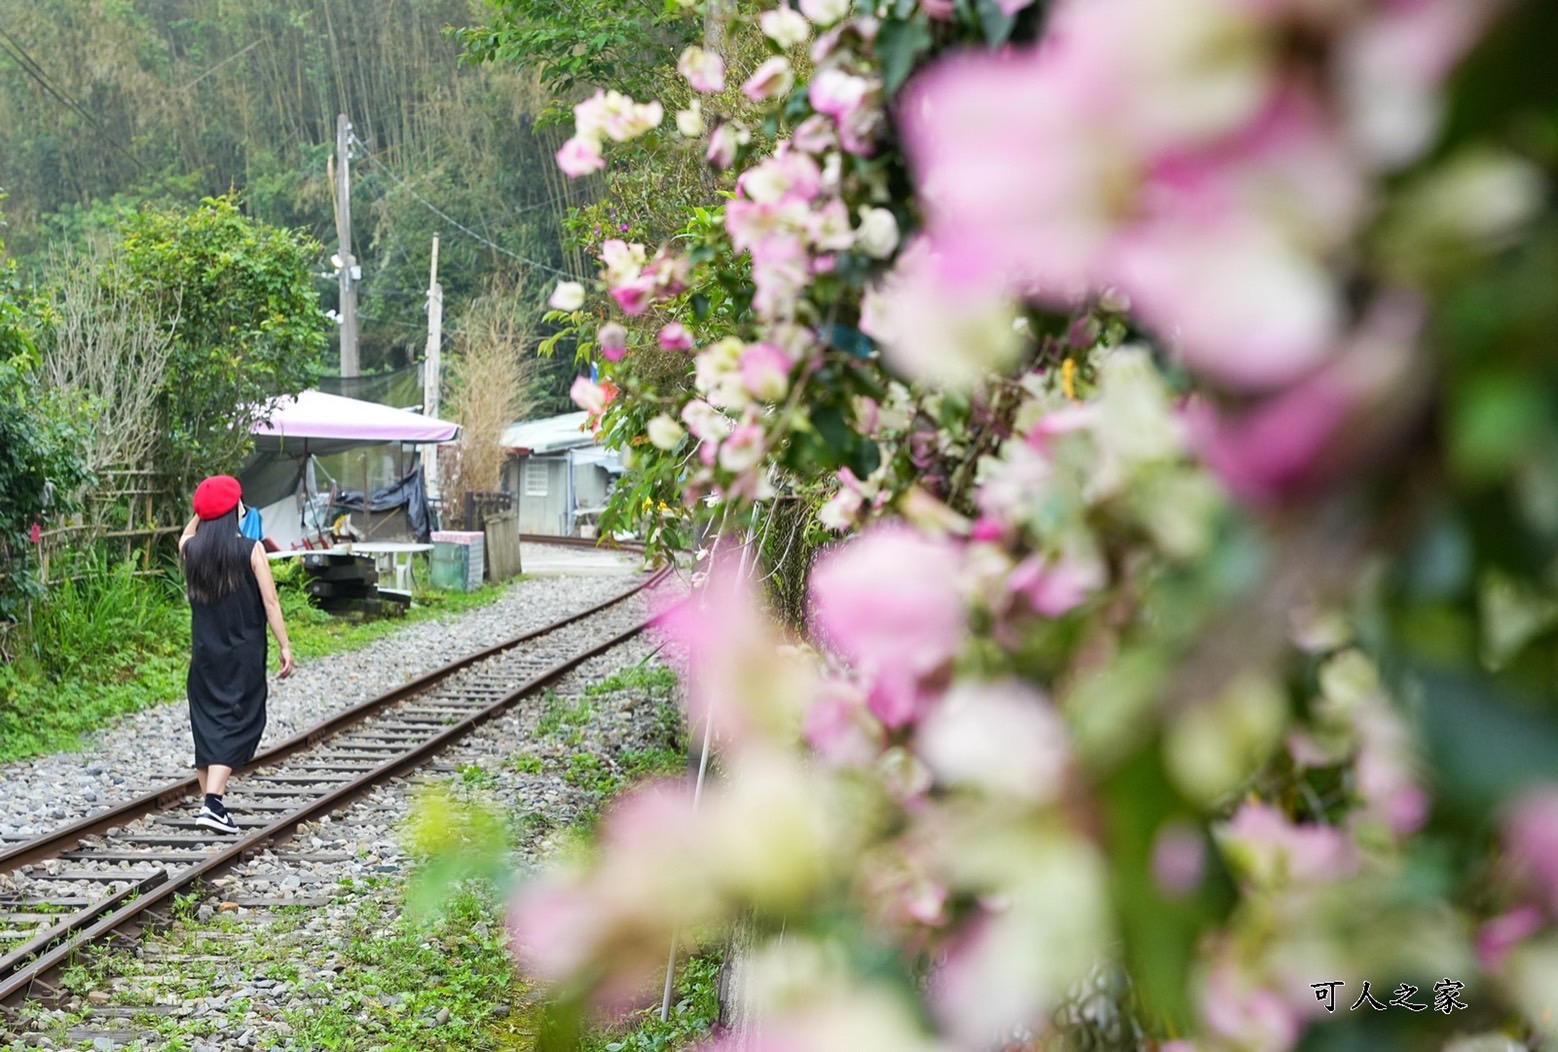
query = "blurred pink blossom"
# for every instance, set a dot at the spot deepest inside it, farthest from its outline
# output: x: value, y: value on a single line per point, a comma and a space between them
x: 774, y: 78
x: 1178, y: 858
x: 1531, y: 838
x: 588, y: 395
x: 1497, y: 937
x: 839, y: 726
x: 765, y: 371
x: 675, y: 337
x: 1243, y: 1012
x: 1269, y: 849
x: 889, y: 601
x: 704, y: 70
x: 613, y: 340
x: 634, y: 295
x: 1053, y: 585
x: 578, y: 157
x: 1002, y: 738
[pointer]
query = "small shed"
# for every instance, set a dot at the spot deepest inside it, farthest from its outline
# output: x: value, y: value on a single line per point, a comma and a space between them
x: 559, y: 474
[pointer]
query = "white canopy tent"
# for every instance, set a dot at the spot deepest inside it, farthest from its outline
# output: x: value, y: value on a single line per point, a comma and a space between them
x: 314, y: 424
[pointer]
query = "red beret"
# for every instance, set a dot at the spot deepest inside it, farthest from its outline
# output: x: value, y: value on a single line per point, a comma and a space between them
x: 217, y: 496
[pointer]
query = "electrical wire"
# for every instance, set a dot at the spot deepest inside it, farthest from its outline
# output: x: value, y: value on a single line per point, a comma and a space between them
x: 398, y: 181
x: 30, y: 66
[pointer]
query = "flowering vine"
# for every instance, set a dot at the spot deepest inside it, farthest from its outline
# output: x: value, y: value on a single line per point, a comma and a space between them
x: 1172, y: 632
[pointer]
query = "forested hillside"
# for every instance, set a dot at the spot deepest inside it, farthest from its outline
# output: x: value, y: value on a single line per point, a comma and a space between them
x: 106, y: 106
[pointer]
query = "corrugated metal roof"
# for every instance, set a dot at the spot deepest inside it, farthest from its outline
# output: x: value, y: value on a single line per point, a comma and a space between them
x: 550, y: 434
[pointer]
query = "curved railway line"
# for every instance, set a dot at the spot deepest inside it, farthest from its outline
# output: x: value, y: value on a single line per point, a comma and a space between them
x: 106, y: 876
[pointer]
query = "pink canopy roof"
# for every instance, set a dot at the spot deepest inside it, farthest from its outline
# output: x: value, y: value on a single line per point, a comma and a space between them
x: 330, y: 423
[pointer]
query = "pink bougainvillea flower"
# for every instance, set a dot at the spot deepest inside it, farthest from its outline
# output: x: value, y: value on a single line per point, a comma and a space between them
x: 554, y: 928
x: 1037, y: 196
x: 742, y: 450
x: 1531, y: 839
x: 773, y: 79
x: 726, y: 139
x: 840, y: 727
x: 785, y: 26
x: 1238, y: 301
x: 1392, y: 70
x: 1270, y: 850
x: 1503, y: 933
x: 886, y: 621
x: 837, y: 94
x: 704, y: 70
x: 1178, y: 859
x: 35, y: 535
x: 635, y: 295
x: 813, y: 135
x: 1238, y: 1008
x: 933, y: 301
x: 623, y: 261
x: 790, y: 176
x: 578, y: 157
x: 1054, y: 585
x: 1002, y: 738
x: 588, y: 395
x: 613, y: 340
x: 765, y: 371
x: 675, y: 337
x: 1296, y: 441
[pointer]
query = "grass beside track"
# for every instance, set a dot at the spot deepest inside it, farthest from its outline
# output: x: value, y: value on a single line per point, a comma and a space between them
x: 110, y: 643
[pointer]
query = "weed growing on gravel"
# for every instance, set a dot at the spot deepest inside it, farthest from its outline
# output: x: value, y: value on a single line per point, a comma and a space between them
x: 473, y: 776
x: 557, y: 713
x: 592, y: 773
x: 525, y: 763
x: 414, y: 988
x: 646, y: 678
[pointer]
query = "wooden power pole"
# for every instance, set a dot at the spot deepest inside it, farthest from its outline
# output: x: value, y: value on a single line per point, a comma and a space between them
x: 430, y: 369
x: 348, y: 271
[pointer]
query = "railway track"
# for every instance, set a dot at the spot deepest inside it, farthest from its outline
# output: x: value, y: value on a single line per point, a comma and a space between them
x: 105, y: 877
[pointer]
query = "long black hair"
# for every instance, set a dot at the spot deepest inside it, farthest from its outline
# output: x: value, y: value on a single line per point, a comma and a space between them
x: 216, y: 559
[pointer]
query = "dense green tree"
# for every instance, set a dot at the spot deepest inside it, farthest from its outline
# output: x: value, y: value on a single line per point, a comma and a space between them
x: 246, y: 321
x: 41, y: 468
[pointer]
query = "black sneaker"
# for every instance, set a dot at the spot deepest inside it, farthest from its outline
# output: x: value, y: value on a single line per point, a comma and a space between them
x: 217, y: 821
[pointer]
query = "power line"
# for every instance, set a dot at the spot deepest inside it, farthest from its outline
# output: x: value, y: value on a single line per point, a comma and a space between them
x: 398, y: 181
x: 30, y: 66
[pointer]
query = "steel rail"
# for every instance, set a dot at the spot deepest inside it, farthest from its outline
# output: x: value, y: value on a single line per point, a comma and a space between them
x: 22, y: 981
x: 51, y: 844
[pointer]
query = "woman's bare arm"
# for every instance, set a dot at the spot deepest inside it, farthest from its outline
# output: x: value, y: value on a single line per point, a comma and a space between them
x: 189, y: 531
x: 278, y: 626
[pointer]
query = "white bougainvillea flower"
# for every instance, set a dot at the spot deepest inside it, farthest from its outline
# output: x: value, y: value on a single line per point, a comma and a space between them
x: 824, y: 12
x: 665, y: 432
x: 689, y: 122
x: 785, y: 26
x: 568, y: 296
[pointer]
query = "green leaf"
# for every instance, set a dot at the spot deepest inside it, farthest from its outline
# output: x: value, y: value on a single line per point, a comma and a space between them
x: 997, y: 24
x: 1485, y: 745
x: 899, y: 43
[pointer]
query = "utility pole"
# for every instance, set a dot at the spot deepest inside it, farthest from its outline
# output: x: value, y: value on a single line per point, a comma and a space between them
x: 347, y: 271
x: 430, y: 369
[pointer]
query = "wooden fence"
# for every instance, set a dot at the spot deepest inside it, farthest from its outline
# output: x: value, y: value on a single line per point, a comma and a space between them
x: 128, y: 505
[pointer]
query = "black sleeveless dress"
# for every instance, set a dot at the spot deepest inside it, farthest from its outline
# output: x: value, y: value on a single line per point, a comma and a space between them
x: 226, y: 682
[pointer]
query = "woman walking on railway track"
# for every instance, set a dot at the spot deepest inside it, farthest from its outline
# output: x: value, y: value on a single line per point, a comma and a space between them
x: 231, y: 598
